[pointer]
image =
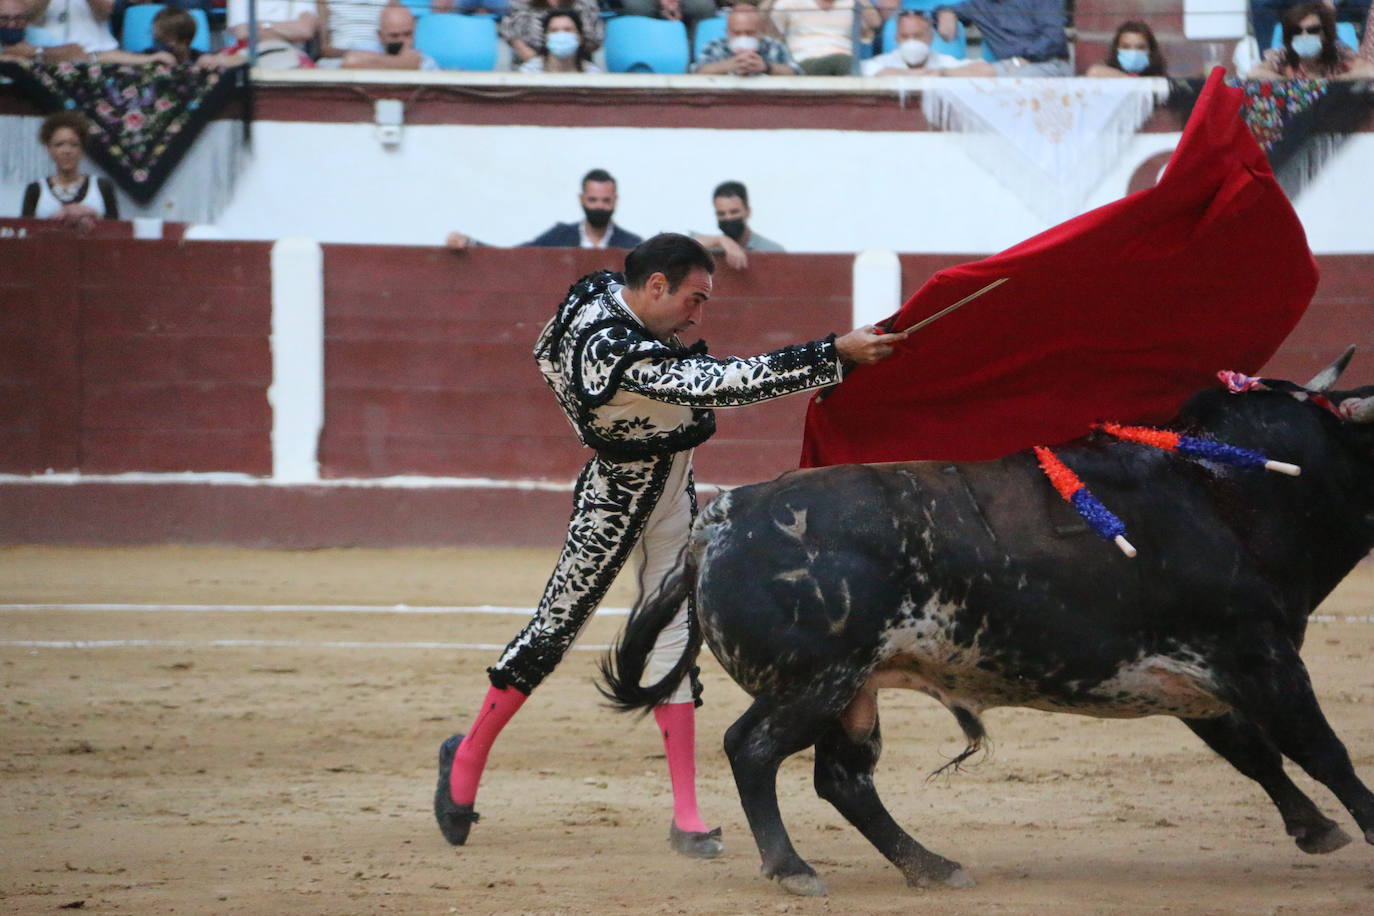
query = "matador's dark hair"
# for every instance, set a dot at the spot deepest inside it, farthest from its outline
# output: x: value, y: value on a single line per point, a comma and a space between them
x: 669, y: 253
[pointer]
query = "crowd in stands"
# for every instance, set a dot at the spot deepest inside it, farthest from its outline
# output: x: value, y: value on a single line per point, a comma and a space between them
x: 876, y: 38
x: 746, y: 38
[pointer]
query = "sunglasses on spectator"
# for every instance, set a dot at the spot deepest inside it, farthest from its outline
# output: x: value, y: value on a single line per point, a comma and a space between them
x: 1308, y: 30
x: 18, y: 19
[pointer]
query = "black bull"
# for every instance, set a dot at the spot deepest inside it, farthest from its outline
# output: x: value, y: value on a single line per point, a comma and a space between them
x: 977, y: 585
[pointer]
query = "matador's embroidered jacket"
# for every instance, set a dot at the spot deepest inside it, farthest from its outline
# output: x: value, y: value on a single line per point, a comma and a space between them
x: 638, y: 402
x: 630, y: 396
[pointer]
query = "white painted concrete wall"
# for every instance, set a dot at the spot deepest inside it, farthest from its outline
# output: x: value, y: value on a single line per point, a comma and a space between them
x: 811, y: 190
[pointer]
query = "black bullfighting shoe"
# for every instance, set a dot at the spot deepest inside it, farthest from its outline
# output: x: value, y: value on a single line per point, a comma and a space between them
x: 705, y: 845
x: 455, y: 820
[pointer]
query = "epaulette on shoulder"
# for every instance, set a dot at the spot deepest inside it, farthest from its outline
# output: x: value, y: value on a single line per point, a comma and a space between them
x: 581, y: 292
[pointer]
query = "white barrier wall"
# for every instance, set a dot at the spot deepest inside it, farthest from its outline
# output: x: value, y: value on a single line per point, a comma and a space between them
x: 811, y: 190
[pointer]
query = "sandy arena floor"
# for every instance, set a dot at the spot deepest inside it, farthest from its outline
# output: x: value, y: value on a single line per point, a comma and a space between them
x: 293, y: 773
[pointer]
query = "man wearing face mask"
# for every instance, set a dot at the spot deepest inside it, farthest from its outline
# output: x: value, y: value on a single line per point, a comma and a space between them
x: 393, y: 49
x: 731, y: 200
x: 913, y: 54
x: 598, y: 199
x: 745, y: 50
x: 20, y: 41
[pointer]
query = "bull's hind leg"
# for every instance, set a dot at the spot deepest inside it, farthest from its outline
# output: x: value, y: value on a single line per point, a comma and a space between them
x: 1247, y: 749
x: 757, y: 744
x: 844, y: 777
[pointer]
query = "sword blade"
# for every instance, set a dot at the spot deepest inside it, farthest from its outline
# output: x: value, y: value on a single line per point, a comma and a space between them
x: 960, y: 304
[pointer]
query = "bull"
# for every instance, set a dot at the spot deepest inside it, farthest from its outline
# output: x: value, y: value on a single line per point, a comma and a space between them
x: 975, y: 584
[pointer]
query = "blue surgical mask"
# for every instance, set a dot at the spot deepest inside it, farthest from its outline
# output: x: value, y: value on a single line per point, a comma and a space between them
x: 11, y: 36
x: 1132, y: 60
x: 1307, y: 46
x: 562, y: 44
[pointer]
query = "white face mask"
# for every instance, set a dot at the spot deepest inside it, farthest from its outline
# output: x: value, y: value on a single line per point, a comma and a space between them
x: 743, y: 44
x: 914, y: 52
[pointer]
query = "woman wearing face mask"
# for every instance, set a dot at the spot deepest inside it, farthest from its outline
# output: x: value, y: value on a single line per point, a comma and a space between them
x: 68, y: 195
x: 1134, y: 52
x: 1310, y: 49
x: 565, y: 51
x: 523, y: 26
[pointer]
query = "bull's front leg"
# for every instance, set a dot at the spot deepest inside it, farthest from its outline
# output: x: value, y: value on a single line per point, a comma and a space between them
x: 1247, y: 749
x: 757, y: 744
x: 1276, y: 694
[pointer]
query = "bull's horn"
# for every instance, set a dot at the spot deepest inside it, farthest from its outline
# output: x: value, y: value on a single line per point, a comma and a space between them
x: 1327, y: 377
x: 1358, y: 410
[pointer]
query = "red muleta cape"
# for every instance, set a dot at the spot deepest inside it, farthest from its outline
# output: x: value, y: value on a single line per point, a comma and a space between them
x: 1119, y: 314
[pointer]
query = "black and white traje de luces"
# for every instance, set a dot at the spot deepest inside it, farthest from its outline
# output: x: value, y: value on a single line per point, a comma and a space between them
x: 642, y: 405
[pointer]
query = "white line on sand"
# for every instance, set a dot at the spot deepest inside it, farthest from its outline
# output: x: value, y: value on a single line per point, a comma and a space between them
x: 294, y: 608
x: 253, y: 644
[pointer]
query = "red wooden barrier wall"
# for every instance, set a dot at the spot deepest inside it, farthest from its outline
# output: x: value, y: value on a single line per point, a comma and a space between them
x: 121, y: 355
x: 429, y: 367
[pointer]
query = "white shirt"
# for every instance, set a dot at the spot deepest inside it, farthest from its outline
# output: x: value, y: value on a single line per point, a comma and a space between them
x: 275, y: 11
x: 812, y: 32
x: 352, y: 23
x: 892, y: 60
x: 586, y: 241
x: 73, y: 22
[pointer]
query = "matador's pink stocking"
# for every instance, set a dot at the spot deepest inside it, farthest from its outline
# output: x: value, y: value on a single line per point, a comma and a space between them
x: 497, y: 709
x: 677, y: 721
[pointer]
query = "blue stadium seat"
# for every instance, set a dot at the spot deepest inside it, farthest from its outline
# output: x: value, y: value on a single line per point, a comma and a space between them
x: 1345, y: 33
x: 956, y: 48
x: 638, y: 44
x: 458, y: 42
x: 708, y: 30
x: 922, y: 6
x: 138, y: 28
x: 419, y: 8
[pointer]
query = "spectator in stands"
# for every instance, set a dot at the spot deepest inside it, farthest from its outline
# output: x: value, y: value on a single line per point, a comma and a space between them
x: 497, y: 8
x: 1367, y: 42
x: 68, y: 195
x: 82, y: 22
x: 565, y: 47
x: 20, y: 41
x: 1310, y: 49
x: 392, y: 46
x: 523, y: 26
x: 745, y: 50
x: 173, y: 31
x: 284, y: 27
x: 596, y: 230
x: 1025, y: 36
x: 1134, y: 52
x: 122, y: 6
x: 820, y: 33
x: 913, y: 55
x: 731, y: 200
x: 688, y: 12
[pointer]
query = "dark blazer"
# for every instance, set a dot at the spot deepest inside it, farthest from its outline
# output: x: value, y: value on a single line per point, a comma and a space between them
x: 567, y: 235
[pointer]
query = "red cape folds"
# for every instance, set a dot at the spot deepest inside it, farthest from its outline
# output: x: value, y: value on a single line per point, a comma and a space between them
x: 1119, y: 314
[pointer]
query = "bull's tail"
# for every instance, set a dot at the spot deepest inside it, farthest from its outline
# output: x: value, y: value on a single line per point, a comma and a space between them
x: 623, y: 665
x: 974, y: 734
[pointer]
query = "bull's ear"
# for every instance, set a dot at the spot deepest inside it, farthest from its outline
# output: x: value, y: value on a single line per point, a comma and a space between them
x: 1358, y: 410
x: 1327, y: 377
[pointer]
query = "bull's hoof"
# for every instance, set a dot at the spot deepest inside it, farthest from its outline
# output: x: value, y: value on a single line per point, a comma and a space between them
x: 1323, y: 839
x: 455, y: 820
x: 960, y: 878
x: 803, y: 885
x: 704, y: 845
